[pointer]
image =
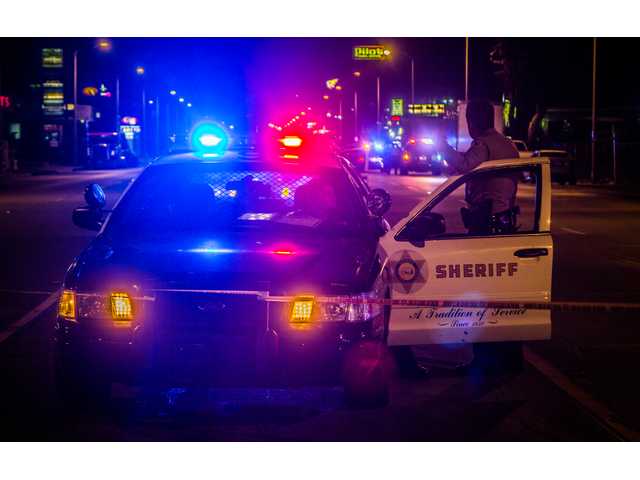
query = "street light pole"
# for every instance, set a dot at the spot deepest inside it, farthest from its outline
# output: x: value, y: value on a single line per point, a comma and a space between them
x: 413, y: 82
x: 378, y: 103
x: 75, y: 106
x: 355, y: 115
x: 593, y: 115
x: 118, y: 104
x: 466, y: 70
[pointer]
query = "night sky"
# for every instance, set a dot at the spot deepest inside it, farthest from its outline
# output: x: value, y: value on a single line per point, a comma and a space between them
x: 231, y: 77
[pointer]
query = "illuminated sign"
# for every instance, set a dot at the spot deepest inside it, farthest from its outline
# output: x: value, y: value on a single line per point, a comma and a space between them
x: 130, y: 131
x: 371, y: 52
x: 104, y: 91
x: 52, y: 58
x: 397, y: 107
x: 5, y: 101
x: 90, y: 91
x: 331, y: 84
x: 129, y: 120
x: 53, y: 97
x: 427, y: 109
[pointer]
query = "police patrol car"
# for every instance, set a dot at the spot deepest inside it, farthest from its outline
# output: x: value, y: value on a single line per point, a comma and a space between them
x: 207, y: 270
x: 215, y: 267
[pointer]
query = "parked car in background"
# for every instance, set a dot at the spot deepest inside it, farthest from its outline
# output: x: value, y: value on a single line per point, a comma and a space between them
x: 563, y: 169
x: 357, y: 155
x: 109, y: 150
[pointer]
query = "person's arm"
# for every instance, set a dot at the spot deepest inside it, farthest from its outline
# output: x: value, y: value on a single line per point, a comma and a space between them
x: 463, y: 162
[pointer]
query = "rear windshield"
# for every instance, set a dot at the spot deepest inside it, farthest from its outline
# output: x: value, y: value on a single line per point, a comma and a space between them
x: 206, y: 198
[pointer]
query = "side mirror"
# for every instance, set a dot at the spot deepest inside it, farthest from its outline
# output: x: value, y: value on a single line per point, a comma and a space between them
x: 91, y: 216
x: 87, y: 218
x: 94, y: 196
x: 379, y: 201
x: 429, y: 224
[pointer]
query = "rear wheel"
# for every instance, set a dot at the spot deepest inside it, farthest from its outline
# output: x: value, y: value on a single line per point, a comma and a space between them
x: 78, y: 387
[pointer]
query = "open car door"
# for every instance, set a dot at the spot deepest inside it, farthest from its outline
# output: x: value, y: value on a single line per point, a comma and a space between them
x: 432, y: 255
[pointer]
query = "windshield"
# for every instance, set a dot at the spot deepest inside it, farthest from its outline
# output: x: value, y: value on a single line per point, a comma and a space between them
x: 210, y: 198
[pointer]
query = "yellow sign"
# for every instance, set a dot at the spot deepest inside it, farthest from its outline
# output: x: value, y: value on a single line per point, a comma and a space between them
x: 371, y: 52
x: 427, y: 109
x: 90, y: 91
x: 333, y: 83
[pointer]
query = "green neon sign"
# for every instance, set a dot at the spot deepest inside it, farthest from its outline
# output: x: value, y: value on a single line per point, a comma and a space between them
x: 397, y: 107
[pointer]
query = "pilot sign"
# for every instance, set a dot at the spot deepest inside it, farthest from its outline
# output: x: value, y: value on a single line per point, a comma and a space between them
x: 371, y: 52
x: 408, y: 271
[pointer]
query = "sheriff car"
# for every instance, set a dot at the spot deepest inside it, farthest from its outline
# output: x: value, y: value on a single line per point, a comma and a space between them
x: 207, y: 270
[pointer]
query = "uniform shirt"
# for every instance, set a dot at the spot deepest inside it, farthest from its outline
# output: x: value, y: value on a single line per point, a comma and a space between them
x: 500, y: 189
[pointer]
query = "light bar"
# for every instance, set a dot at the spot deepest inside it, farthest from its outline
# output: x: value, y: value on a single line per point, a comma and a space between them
x: 291, y: 141
x: 209, y: 140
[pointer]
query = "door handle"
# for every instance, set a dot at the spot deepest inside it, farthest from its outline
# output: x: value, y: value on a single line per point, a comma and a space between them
x: 531, y: 252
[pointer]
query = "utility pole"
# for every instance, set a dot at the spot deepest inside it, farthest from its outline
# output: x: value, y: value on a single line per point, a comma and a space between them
x: 144, y: 122
x: 378, y: 103
x: 118, y: 104
x: 413, y: 82
x: 593, y: 115
x: 466, y: 70
x: 157, y: 152
x: 355, y: 115
x: 75, y: 107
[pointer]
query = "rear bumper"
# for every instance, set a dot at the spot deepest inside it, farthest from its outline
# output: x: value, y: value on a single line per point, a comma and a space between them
x: 134, y: 355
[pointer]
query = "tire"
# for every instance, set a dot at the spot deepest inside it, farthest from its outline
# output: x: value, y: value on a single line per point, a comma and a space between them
x: 498, y: 358
x: 78, y: 387
x: 366, y: 378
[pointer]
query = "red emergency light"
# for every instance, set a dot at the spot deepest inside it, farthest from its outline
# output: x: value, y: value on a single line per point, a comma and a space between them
x: 291, y: 141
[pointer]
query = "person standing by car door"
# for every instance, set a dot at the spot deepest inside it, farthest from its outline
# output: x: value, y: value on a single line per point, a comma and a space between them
x: 486, y: 196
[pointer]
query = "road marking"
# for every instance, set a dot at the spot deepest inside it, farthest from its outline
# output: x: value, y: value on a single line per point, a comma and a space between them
x: 571, y: 230
x: 595, y: 409
x: 29, y: 317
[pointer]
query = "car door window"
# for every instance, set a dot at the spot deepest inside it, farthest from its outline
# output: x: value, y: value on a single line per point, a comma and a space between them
x: 496, y: 202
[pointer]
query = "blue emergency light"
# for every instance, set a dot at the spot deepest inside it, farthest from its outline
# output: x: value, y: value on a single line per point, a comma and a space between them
x: 209, y: 138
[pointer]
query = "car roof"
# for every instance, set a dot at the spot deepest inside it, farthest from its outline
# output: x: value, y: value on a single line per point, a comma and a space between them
x: 512, y: 162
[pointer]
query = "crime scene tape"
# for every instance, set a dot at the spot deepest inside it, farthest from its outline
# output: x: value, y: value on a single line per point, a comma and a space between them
x: 558, y: 306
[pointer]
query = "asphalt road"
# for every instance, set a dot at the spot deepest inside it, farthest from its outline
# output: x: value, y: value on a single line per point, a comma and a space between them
x: 578, y: 386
